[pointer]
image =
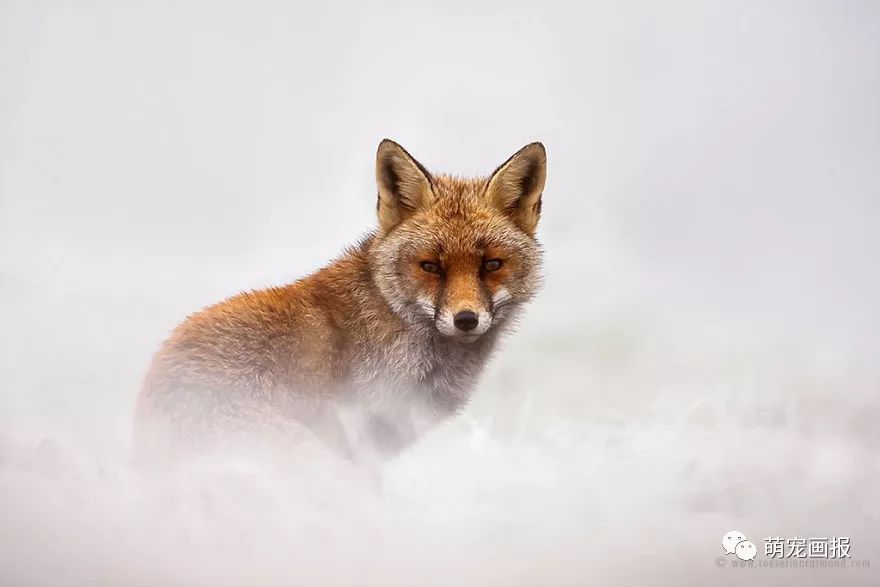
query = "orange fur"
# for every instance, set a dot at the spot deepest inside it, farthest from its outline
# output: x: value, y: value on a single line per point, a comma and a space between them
x: 375, y: 333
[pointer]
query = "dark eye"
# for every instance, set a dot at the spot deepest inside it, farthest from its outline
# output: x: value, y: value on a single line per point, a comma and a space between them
x: 492, y: 265
x: 431, y: 267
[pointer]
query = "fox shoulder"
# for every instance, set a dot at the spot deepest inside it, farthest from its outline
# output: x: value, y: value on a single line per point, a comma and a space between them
x: 254, y: 338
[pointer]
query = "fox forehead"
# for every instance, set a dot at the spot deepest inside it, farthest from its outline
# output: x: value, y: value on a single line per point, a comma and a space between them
x: 460, y: 221
x: 460, y: 199
x: 434, y: 232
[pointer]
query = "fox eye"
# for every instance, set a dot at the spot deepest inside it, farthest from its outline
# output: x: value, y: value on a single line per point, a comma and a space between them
x: 430, y: 267
x: 492, y: 265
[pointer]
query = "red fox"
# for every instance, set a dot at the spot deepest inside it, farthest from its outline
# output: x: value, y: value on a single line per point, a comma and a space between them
x: 378, y: 346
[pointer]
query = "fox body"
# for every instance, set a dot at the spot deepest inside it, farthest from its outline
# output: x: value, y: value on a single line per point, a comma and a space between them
x: 371, y: 351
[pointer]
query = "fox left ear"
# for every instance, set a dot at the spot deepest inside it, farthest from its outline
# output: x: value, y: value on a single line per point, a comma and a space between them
x: 516, y: 186
x: 404, y: 185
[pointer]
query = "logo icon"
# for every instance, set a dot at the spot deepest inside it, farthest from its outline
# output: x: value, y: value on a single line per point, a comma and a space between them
x: 735, y: 542
x: 730, y: 540
x: 746, y: 550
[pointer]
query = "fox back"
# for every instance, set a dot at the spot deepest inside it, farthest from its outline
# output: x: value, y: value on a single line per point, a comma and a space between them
x: 371, y: 351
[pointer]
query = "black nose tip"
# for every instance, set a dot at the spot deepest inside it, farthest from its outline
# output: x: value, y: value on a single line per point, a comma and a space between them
x: 466, y: 320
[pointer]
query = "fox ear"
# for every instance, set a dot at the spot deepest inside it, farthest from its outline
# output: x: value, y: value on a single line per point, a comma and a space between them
x: 404, y: 185
x: 516, y: 186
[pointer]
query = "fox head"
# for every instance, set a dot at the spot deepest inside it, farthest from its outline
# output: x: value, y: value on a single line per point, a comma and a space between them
x: 458, y: 254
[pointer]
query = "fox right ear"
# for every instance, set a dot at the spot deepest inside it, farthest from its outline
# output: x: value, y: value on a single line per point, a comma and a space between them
x: 404, y: 185
x: 517, y: 185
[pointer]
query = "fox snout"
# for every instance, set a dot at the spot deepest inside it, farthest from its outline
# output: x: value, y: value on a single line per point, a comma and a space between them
x: 465, y: 323
x: 461, y: 320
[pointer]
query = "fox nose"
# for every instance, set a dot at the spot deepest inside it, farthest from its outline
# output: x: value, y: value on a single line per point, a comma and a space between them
x: 466, y: 320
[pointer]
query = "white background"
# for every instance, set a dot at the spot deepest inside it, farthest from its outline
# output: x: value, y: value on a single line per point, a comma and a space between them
x: 703, y: 356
